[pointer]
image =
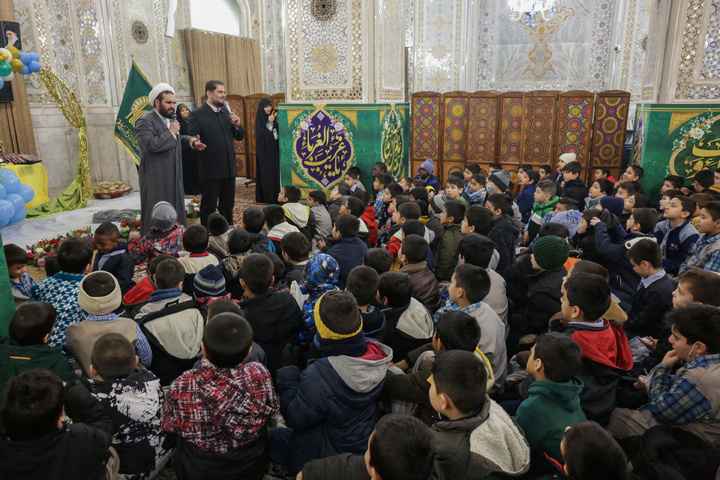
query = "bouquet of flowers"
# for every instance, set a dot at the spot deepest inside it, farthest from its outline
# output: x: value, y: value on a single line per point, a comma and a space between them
x: 192, y: 209
x: 129, y: 223
x: 40, y: 251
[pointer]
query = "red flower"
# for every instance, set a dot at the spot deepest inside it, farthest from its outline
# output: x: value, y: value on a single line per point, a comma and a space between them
x: 124, y: 224
x: 42, y: 244
x: 51, y: 254
x: 137, y: 224
x: 78, y: 230
x: 54, y: 242
x: 31, y: 255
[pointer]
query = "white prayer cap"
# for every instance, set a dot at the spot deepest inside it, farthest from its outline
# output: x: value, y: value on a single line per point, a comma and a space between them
x: 157, y: 90
x: 565, y: 157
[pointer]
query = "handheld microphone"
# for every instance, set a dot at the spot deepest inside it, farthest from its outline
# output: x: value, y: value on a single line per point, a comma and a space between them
x: 173, y: 117
x: 227, y: 106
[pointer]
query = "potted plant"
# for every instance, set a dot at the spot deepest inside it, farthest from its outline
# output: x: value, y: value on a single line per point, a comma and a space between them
x: 192, y: 211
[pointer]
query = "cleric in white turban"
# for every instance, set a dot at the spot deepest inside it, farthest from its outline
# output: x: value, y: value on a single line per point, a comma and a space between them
x: 160, y: 143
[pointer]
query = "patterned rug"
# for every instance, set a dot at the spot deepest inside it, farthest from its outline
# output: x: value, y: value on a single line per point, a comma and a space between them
x: 244, y: 198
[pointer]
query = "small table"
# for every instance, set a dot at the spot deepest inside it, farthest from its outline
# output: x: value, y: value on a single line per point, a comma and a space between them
x: 34, y: 175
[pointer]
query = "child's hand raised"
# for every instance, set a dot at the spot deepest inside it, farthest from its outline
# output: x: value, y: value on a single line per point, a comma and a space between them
x: 595, y: 221
x: 671, y: 359
x: 649, y: 342
x: 134, y: 235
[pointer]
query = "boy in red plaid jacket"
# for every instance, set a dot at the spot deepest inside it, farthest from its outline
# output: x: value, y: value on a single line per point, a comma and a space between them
x: 219, y: 410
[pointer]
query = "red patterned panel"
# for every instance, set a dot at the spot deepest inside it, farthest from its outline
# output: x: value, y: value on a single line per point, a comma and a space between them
x: 511, y: 111
x: 455, y: 126
x: 539, y: 110
x: 425, y: 125
x: 611, y: 112
x: 482, y: 125
x: 574, y: 124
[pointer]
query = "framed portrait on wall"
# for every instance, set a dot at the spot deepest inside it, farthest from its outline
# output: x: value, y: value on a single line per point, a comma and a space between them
x: 9, y: 36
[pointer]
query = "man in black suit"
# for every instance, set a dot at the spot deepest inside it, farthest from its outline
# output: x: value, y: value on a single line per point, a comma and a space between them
x: 217, y: 128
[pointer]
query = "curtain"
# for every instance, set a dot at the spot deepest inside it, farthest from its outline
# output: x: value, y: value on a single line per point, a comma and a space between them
x: 235, y: 61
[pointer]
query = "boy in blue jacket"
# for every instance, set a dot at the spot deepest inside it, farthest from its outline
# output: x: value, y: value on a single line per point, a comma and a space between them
x: 331, y: 407
x: 528, y: 181
x: 675, y: 234
x: 345, y: 247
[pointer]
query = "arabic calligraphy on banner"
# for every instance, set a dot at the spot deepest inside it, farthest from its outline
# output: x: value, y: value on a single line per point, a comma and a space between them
x: 697, y: 147
x: 392, y: 143
x: 323, y: 147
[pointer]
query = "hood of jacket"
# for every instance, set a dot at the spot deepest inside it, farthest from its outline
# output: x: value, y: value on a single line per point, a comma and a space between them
x: 547, y: 281
x: 416, y: 321
x: 233, y: 262
x: 280, y: 230
x: 298, y: 213
x: 565, y: 395
x: 507, y: 223
x: 363, y: 374
x: 138, y: 396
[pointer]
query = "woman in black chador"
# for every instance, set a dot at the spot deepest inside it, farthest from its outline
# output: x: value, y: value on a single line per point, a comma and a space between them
x: 191, y: 176
x: 267, y: 178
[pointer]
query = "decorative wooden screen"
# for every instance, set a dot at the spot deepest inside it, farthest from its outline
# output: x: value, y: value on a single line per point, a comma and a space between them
x: 574, y: 126
x: 611, y: 112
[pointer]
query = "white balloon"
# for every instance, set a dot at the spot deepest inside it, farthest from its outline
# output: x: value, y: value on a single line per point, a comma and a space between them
x: 9, y: 78
x: 7, y: 52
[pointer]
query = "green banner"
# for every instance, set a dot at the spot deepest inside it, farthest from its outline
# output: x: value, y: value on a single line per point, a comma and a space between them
x: 7, y: 304
x: 134, y: 105
x: 319, y: 143
x: 675, y: 139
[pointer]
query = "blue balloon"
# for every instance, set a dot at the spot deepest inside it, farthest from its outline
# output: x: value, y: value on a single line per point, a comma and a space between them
x: 3, y: 192
x: 5, y: 172
x: 19, y: 216
x: 34, y: 57
x: 25, y: 58
x: 6, y: 210
x: 11, y: 183
x: 27, y: 192
x: 3, y: 223
x: 16, y: 200
x: 25, y: 70
x: 34, y: 66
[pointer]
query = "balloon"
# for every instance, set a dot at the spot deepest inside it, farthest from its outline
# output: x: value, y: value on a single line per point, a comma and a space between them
x: 27, y: 192
x: 25, y: 57
x: 11, y: 182
x: 16, y: 65
x: 4, y: 55
x: 25, y: 71
x: 19, y: 216
x: 13, y: 51
x: 6, y: 210
x: 2, y: 82
x: 3, y: 192
x: 4, y: 222
x: 34, y: 57
x: 5, y: 69
x: 34, y: 66
x: 16, y: 200
x: 8, y: 78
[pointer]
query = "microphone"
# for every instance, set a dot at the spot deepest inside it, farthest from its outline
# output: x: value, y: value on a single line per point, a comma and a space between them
x: 173, y: 117
x: 227, y: 106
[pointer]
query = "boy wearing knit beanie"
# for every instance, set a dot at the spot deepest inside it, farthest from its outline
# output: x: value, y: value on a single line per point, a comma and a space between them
x: 100, y: 299
x: 543, y: 296
x: 209, y: 285
x: 335, y: 399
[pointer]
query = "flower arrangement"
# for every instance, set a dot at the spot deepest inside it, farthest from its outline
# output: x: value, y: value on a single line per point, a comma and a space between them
x: 192, y: 208
x: 128, y: 223
x: 40, y: 251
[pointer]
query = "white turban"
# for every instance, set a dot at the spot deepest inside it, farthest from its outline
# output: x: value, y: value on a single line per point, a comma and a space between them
x: 157, y: 90
x: 568, y: 157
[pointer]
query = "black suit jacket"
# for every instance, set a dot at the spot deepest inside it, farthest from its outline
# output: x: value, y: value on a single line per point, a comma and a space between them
x: 216, y: 131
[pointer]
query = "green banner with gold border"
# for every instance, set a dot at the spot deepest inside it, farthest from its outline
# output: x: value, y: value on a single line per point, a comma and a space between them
x: 319, y: 143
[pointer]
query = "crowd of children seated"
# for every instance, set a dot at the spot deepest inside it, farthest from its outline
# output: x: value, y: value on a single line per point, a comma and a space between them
x: 492, y: 326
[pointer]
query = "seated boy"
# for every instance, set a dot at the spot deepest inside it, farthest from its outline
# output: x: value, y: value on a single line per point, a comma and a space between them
x: 338, y: 195
x: 480, y: 251
x: 528, y: 181
x: 132, y: 396
x: 412, y: 254
x: 295, y: 251
x: 253, y: 222
x: 458, y: 392
x: 653, y: 297
x: 165, y: 236
x: 363, y: 283
x: 330, y: 408
x: 297, y: 214
x: 378, y: 259
x: 38, y: 444
x: 406, y: 211
x: 20, y: 281
x: 346, y: 247
x: 455, y: 190
x: 140, y: 293
x: 61, y: 290
x: 277, y: 225
x: 599, y: 189
x: 195, y: 241
x: 705, y: 253
x: 219, y: 411
x: 168, y: 313
x: 680, y: 391
x: 446, y: 247
x: 100, y: 299
x: 357, y: 207
x: 632, y: 175
x: 323, y: 223
x: 476, y: 189
x: 319, y: 276
x: 368, y: 217
x: 545, y: 202
x: 425, y: 173
x: 380, y: 184
x: 239, y: 246
x: 553, y: 403
x: 26, y: 347
x: 453, y: 331
x: 672, y: 182
x: 478, y: 219
x: 219, y: 230
x: 604, y: 173
x: 574, y: 187
x: 705, y: 183
x: 605, y: 349
x: 409, y: 322
x: 352, y: 180
x: 400, y: 447
x: 503, y: 233
x: 209, y: 285
x: 274, y: 316
x: 590, y: 453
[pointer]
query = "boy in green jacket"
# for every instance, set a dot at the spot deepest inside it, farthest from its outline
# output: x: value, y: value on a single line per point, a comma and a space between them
x: 554, y: 401
x: 446, y: 248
